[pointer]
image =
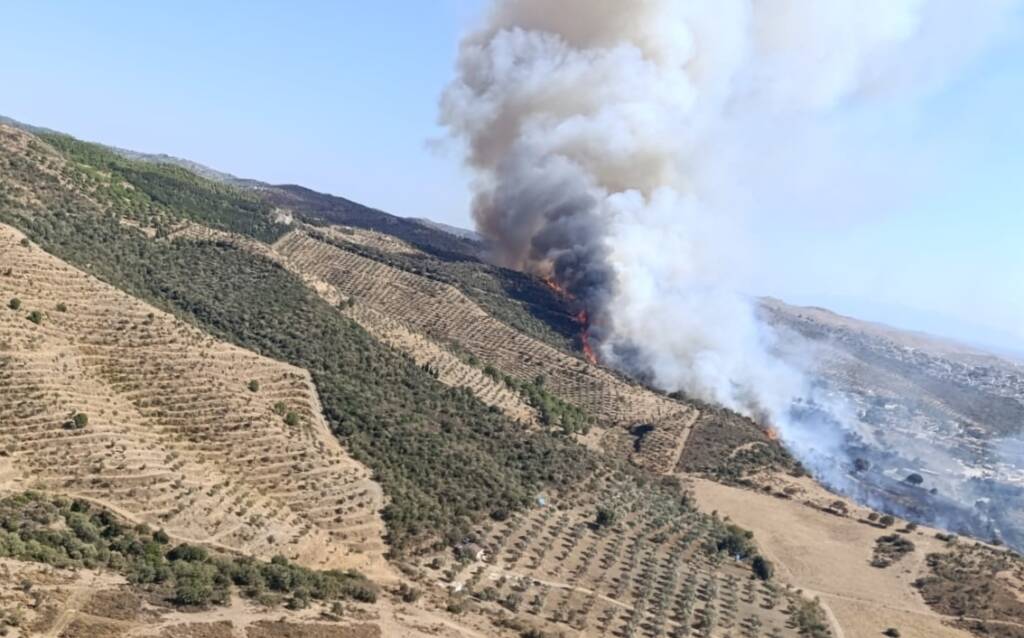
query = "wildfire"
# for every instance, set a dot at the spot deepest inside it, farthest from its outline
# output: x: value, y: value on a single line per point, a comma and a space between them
x: 581, y: 318
x: 588, y: 351
x: 558, y: 288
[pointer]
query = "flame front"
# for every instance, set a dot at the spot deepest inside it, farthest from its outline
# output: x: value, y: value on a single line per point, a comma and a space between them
x: 588, y: 351
x: 581, y: 318
x: 558, y: 288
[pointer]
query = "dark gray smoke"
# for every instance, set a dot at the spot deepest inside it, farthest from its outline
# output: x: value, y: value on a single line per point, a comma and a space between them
x: 606, y: 138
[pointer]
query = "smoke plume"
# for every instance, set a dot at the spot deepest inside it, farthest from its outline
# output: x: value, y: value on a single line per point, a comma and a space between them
x: 607, y: 140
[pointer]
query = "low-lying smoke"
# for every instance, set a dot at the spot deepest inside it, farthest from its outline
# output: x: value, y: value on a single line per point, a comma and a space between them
x: 607, y: 142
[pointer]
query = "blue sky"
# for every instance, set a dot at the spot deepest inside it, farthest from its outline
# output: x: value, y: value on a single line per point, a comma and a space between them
x: 342, y: 97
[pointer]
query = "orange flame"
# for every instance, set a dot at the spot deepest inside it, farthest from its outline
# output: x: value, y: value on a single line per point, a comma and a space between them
x: 581, y: 318
x: 557, y: 287
x: 588, y: 350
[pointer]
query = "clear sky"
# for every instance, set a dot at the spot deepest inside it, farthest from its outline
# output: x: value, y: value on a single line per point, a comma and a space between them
x: 342, y: 97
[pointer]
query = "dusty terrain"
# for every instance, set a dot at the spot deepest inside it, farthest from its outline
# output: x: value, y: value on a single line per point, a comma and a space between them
x: 176, y: 436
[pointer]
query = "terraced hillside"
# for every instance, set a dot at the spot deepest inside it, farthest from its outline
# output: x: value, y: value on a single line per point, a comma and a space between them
x: 442, y: 313
x: 229, y: 365
x: 623, y: 559
x: 108, y: 398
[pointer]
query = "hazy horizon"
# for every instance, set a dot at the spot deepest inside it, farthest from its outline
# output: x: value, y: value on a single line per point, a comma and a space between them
x: 924, y: 220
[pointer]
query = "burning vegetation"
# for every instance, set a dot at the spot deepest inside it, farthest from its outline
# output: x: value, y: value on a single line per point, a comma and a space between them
x: 581, y: 317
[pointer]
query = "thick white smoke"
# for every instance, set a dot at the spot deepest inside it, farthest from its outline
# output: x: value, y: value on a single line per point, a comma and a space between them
x: 607, y: 142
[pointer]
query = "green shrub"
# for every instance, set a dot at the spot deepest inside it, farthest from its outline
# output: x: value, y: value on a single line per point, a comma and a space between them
x: 78, y: 421
x: 254, y: 386
x: 735, y: 540
x: 762, y: 567
x: 188, y: 553
x: 31, y: 529
x: 35, y: 317
x: 606, y: 517
x: 14, y: 304
x: 193, y: 583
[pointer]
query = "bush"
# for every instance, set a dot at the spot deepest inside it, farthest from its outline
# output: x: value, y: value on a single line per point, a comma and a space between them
x: 735, y: 540
x: 14, y: 304
x: 763, y: 567
x: 811, y: 620
x: 891, y: 632
x: 254, y: 386
x: 31, y: 530
x: 886, y: 521
x: 291, y: 419
x: 188, y: 553
x: 606, y: 517
x: 408, y: 594
x: 914, y: 479
x: 62, y: 307
x: 35, y: 317
x: 193, y: 583
x: 78, y: 421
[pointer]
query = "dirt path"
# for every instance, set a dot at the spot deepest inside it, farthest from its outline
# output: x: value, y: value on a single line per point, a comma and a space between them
x: 582, y: 590
x: 81, y: 596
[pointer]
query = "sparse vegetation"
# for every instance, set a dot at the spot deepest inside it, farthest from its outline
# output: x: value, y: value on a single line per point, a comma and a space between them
x: 729, y: 448
x: 889, y: 549
x: 443, y: 457
x: 14, y: 304
x: 512, y: 297
x: 810, y: 619
x: 977, y: 582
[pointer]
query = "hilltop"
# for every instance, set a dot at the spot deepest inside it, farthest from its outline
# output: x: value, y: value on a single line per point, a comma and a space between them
x: 298, y: 384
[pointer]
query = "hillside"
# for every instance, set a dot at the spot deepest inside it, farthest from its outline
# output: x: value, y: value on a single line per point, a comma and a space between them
x: 417, y: 414
x: 171, y: 422
x: 946, y: 412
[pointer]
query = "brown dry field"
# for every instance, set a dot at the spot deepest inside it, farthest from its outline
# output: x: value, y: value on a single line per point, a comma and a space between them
x: 829, y: 556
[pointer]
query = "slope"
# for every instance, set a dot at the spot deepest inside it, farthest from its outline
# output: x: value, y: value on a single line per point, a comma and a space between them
x: 110, y: 399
